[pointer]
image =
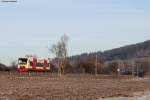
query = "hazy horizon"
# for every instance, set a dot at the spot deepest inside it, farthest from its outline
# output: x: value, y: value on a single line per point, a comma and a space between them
x: 31, y: 26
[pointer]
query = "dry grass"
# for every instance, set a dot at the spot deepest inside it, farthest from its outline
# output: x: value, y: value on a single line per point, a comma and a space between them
x: 39, y: 86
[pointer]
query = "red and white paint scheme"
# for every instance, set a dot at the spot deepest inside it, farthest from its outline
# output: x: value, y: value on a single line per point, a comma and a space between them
x: 33, y: 64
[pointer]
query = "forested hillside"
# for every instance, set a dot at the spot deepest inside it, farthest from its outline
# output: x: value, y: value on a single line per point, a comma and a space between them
x: 131, y: 51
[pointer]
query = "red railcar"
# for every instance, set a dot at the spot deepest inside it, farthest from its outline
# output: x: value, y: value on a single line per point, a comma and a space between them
x: 33, y: 64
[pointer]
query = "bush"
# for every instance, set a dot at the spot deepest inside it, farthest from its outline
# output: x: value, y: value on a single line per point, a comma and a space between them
x: 112, y: 68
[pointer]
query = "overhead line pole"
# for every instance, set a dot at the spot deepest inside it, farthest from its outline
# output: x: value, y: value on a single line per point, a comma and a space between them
x: 96, y: 65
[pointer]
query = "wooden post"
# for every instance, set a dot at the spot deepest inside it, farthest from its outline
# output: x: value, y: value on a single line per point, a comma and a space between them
x: 96, y: 65
x: 133, y: 69
x: 118, y: 67
x: 137, y: 70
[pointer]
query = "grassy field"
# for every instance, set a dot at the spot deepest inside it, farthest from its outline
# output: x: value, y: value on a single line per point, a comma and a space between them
x: 46, y: 86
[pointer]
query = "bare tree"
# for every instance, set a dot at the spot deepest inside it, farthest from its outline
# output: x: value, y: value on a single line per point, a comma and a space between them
x: 61, y: 52
x: 132, y: 64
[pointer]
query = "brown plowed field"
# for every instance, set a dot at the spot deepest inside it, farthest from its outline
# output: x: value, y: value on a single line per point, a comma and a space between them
x: 46, y: 86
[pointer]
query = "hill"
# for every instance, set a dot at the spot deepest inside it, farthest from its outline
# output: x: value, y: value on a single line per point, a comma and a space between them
x: 3, y: 67
x: 138, y: 50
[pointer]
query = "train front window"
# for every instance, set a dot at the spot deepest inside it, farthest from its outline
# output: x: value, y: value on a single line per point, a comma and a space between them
x: 22, y: 61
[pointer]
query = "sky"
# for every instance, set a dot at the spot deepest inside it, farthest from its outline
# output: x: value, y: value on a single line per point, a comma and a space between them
x: 32, y: 26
